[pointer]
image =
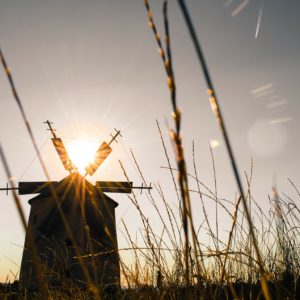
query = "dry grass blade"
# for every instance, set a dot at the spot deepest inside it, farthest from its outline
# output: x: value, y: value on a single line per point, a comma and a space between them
x: 167, y: 61
x: 35, y: 257
x: 176, y: 137
x: 52, y: 190
x: 216, y: 108
x: 22, y: 111
x: 168, y: 159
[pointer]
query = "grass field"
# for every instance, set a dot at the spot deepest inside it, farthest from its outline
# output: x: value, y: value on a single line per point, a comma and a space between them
x: 259, y: 257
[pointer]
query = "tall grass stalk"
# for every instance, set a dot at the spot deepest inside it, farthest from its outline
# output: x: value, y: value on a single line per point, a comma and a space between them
x: 35, y: 257
x: 187, y: 221
x: 216, y: 108
x: 52, y: 190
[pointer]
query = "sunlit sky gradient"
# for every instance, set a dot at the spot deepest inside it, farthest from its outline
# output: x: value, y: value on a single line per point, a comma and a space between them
x: 92, y: 66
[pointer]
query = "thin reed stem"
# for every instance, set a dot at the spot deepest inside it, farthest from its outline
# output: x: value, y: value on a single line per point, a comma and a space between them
x: 35, y: 257
x: 216, y: 108
x: 52, y: 190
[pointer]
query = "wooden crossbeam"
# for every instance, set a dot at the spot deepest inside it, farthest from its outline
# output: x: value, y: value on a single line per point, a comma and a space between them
x: 114, y: 186
x: 36, y: 187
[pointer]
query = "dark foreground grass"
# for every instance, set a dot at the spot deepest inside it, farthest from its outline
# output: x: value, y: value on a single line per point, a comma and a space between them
x: 157, y: 270
x: 237, y: 290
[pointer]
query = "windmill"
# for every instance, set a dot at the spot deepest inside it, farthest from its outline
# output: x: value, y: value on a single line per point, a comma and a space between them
x: 72, y: 223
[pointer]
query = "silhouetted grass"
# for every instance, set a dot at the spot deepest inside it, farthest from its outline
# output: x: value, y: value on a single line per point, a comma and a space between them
x: 258, y: 259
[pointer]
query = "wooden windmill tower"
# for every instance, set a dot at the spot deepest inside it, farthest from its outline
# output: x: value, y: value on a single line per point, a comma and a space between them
x: 72, y: 224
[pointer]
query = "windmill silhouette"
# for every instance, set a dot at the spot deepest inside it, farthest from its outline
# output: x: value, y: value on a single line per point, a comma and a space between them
x: 72, y: 223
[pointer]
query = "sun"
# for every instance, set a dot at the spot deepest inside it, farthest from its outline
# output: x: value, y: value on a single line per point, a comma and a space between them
x: 82, y: 153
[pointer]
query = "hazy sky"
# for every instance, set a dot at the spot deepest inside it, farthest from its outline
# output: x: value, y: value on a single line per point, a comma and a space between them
x: 92, y: 66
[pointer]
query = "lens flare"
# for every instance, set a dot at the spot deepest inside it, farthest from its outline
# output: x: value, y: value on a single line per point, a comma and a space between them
x: 214, y: 143
x: 82, y: 153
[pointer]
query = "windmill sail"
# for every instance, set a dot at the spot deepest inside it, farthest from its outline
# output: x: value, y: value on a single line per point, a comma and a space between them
x: 63, y: 155
x: 101, y: 154
x: 114, y: 186
x: 35, y: 187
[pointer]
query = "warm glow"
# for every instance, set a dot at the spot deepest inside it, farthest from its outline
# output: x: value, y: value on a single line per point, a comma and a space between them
x: 82, y: 153
x: 214, y: 143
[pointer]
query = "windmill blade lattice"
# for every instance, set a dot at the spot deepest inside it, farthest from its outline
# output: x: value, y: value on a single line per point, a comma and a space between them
x: 101, y: 154
x: 61, y: 150
x: 63, y: 154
